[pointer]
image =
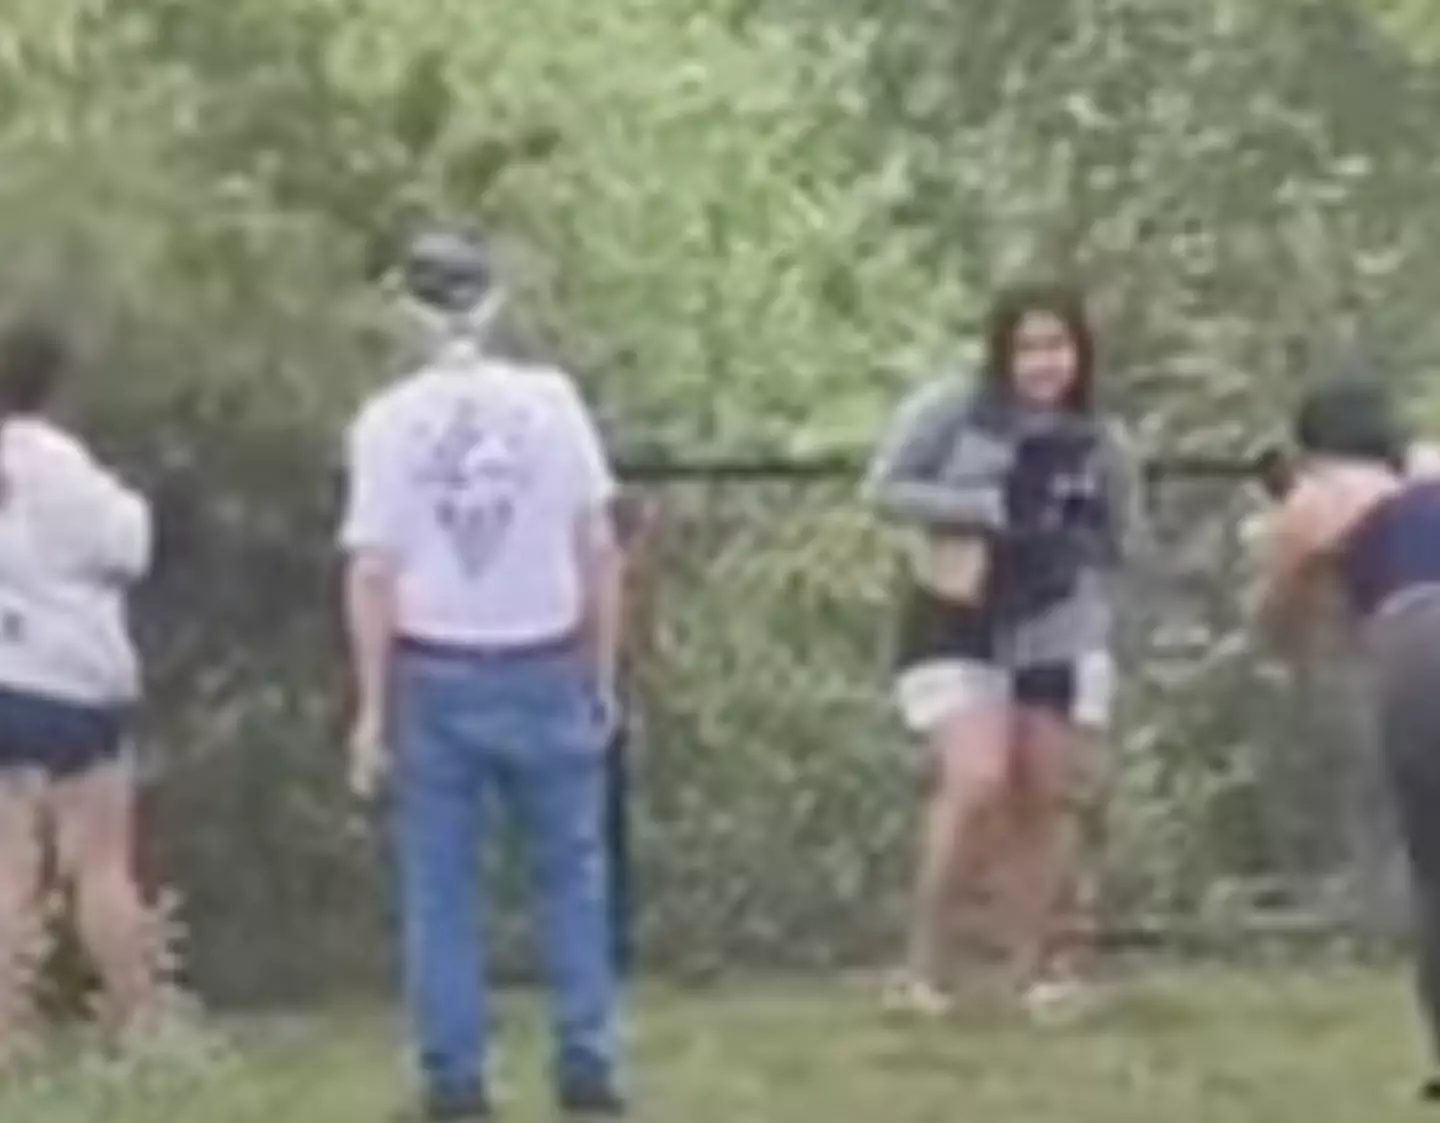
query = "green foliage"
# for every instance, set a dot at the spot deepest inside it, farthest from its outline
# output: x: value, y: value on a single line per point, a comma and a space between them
x: 1412, y: 23
x: 1236, y: 185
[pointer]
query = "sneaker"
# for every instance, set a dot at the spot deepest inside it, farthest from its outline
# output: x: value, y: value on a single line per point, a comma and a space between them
x: 1430, y: 1091
x: 591, y: 1097
x: 1057, y: 1001
x: 914, y: 996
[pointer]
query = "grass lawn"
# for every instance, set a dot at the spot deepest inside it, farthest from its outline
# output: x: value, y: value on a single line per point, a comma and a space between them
x: 1209, y: 1045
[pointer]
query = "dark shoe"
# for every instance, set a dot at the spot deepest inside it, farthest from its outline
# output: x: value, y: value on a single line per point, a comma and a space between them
x: 451, y: 1108
x: 1430, y: 1091
x: 591, y: 1097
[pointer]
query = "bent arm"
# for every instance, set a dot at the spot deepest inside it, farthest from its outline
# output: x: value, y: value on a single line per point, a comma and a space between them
x: 126, y: 531
x: 901, y: 483
x: 1289, y: 557
x: 109, y: 524
x: 1305, y: 533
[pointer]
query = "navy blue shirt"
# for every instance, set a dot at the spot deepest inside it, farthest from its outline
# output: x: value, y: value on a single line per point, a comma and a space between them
x: 1394, y: 547
x: 1058, y: 515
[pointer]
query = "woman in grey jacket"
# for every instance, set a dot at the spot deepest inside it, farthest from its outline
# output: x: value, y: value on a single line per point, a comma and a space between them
x: 72, y: 541
x: 1020, y: 500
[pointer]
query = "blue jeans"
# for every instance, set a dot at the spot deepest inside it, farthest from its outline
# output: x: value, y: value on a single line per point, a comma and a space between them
x: 521, y: 726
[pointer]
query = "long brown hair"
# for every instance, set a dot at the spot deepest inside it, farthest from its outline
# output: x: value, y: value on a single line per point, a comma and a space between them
x: 1048, y: 298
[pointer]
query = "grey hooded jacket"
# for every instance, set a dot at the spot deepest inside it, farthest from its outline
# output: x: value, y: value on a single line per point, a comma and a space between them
x: 945, y: 466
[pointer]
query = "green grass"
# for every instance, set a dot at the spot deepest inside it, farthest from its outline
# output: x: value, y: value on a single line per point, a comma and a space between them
x: 1195, y: 1046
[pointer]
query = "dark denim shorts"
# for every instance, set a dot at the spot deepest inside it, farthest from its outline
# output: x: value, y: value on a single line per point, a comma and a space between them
x: 62, y: 738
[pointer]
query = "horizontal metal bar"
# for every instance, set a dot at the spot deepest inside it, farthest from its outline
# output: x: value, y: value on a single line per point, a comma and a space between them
x: 840, y: 466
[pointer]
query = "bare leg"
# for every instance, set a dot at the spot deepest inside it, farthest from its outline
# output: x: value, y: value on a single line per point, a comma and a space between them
x: 972, y: 750
x: 1074, y: 938
x: 94, y: 824
x: 1047, y: 875
x: 21, y: 922
x: 977, y: 898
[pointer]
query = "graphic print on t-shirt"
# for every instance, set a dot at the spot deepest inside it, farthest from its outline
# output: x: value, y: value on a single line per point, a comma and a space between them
x: 1056, y: 484
x: 12, y: 626
x: 474, y: 471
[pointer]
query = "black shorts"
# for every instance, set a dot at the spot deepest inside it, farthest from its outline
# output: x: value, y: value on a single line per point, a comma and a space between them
x: 1049, y: 686
x: 1079, y: 691
x: 949, y: 655
x: 62, y: 738
x: 932, y: 627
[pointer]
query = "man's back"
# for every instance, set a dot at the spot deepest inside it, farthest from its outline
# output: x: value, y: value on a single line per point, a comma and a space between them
x: 472, y: 474
x: 481, y: 598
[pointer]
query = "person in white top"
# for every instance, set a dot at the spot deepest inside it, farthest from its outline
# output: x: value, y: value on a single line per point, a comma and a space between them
x: 73, y: 539
x: 482, y: 591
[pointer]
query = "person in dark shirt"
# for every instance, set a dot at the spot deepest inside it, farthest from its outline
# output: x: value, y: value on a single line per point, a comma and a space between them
x: 1358, y: 518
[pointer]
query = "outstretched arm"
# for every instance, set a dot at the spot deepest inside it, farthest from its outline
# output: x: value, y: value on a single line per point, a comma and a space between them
x: 106, y: 524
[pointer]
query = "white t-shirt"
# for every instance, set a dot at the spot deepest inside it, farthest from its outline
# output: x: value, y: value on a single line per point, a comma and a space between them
x: 73, y: 539
x: 473, y: 475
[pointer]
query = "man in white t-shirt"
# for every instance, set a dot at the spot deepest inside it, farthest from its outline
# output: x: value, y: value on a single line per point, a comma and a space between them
x: 481, y: 595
